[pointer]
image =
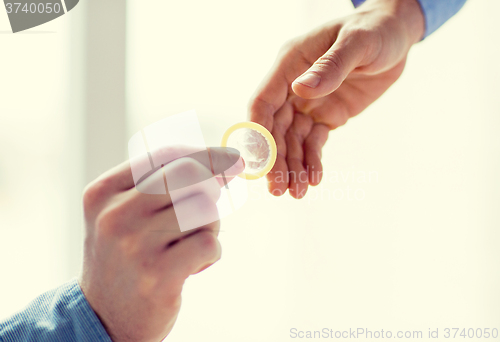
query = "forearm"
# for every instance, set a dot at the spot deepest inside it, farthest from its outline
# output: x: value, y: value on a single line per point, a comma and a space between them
x: 435, y: 12
x: 62, y: 314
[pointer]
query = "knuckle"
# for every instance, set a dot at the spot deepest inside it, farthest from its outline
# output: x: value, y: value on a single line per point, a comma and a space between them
x: 173, y: 302
x: 212, y: 190
x: 331, y: 62
x: 259, y: 105
x: 340, y: 119
x: 95, y: 192
x: 292, y: 52
x: 200, y: 211
x: 288, y: 47
x: 205, y: 206
x: 109, y: 222
x: 208, y: 244
x: 88, y: 198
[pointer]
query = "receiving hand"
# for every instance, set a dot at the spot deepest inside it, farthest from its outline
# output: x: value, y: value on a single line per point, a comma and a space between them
x: 324, y: 78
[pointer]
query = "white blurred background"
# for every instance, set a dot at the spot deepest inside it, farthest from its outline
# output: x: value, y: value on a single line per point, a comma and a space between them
x: 413, y: 247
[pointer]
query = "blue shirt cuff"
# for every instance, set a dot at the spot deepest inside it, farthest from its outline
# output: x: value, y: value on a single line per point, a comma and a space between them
x: 62, y: 314
x: 436, y: 12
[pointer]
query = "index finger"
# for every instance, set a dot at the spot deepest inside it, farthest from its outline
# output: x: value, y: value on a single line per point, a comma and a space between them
x: 270, y: 95
x: 133, y: 172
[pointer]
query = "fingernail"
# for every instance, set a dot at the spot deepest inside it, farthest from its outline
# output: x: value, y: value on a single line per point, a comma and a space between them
x: 236, y: 168
x: 309, y: 79
x: 223, y: 158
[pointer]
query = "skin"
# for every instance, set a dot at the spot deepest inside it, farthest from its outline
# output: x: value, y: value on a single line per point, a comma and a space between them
x: 345, y: 66
x: 136, y: 259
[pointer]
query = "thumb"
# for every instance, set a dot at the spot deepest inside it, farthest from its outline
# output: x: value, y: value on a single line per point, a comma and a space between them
x: 331, y: 69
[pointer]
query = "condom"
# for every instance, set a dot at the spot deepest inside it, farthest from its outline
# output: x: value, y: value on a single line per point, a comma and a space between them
x: 256, y: 146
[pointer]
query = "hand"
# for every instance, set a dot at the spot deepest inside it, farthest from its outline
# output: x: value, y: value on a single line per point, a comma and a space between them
x: 136, y: 259
x: 324, y: 78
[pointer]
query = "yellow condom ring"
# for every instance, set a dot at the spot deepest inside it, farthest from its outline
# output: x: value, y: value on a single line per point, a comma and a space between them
x: 273, y: 153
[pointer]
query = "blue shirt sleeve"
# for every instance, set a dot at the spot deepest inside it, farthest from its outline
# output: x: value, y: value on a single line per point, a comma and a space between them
x: 436, y: 12
x: 62, y: 314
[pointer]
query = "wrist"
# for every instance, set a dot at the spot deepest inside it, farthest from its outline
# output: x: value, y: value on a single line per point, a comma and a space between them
x: 407, y: 12
x: 412, y: 17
